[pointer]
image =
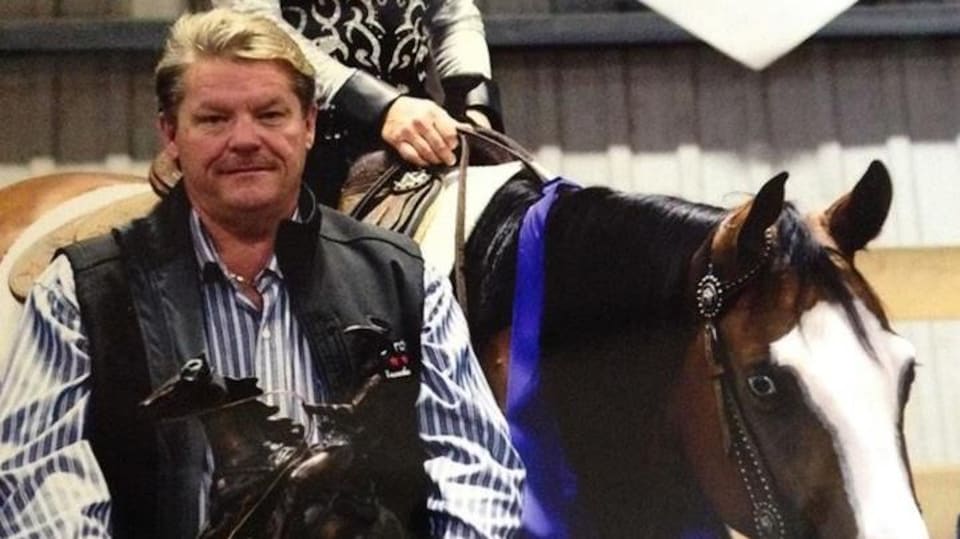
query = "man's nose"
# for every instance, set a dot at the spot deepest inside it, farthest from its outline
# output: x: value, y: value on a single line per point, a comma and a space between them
x: 244, y: 135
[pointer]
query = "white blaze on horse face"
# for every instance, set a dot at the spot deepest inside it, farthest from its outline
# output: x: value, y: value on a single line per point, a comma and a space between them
x: 856, y: 396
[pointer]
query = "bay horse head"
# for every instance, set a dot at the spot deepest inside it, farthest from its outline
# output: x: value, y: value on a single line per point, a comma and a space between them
x: 791, y: 399
x: 706, y: 365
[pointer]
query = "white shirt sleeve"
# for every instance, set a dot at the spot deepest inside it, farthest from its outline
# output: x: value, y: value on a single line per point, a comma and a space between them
x: 457, y: 38
x: 476, y: 473
x: 50, y: 482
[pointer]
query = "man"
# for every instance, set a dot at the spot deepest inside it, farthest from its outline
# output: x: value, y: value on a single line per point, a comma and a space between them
x: 372, y: 59
x: 240, y: 267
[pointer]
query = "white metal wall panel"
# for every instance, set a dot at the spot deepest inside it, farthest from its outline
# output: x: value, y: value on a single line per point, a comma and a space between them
x: 687, y: 121
x: 932, y: 414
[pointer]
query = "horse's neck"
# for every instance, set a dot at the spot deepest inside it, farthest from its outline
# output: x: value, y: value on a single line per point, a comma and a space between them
x: 610, y: 393
x: 616, y: 330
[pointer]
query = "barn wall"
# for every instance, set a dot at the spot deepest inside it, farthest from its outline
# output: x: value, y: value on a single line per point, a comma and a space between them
x: 682, y: 120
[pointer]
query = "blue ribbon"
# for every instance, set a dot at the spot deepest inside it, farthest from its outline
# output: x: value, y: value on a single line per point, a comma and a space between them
x: 550, y: 493
x: 551, y: 488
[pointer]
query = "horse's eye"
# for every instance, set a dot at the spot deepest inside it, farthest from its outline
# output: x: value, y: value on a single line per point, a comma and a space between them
x: 761, y: 385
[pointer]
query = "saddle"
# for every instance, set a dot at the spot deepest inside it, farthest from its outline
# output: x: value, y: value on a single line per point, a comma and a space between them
x: 383, y: 190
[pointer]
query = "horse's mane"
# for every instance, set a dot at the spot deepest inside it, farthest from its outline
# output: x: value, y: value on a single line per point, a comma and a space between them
x: 608, y: 242
x: 813, y: 263
x: 491, y: 255
x: 616, y: 259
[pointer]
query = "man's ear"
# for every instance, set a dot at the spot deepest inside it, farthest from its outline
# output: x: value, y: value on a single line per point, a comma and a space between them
x: 311, y: 124
x: 168, y: 131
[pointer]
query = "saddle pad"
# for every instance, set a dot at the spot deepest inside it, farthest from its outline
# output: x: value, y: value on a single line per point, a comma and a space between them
x: 401, y: 208
x: 436, y: 232
x: 25, y: 201
x: 99, y: 217
x: 10, y: 306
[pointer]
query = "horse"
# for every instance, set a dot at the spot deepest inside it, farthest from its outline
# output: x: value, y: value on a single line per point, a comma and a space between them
x: 702, y: 361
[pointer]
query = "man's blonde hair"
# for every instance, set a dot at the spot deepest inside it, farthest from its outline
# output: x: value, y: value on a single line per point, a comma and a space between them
x: 223, y: 33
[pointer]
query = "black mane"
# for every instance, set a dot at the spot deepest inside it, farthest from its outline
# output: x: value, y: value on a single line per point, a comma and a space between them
x: 491, y: 256
x: 615, y: 259
x: 598, y: 236
x: 813, y: 263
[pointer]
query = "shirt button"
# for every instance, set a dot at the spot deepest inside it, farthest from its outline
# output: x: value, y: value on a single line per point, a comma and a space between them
x: 265, y: 333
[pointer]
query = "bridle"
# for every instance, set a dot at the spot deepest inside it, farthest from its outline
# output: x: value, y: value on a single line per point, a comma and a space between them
x: 712, y: 295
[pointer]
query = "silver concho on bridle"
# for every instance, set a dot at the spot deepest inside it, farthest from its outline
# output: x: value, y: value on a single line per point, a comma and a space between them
x: 709, y: 295
x: 711, y: 290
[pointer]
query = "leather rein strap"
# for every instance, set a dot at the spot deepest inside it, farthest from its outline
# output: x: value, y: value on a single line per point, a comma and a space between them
x: 459, y: 233
x: 501, y: 142
x: 768, y: 515
x: 467, y: 136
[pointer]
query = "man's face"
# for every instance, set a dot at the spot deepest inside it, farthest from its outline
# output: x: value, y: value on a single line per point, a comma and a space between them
x: 241, y: 138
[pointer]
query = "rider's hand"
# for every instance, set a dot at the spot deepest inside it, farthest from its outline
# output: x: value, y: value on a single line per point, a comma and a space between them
x: 421, y: 131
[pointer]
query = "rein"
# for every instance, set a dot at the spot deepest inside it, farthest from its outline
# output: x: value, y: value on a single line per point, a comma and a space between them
x: 768, y: 515
x: 420, y: 188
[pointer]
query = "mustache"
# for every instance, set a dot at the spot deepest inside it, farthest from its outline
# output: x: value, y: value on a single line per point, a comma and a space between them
x: 233, y: 164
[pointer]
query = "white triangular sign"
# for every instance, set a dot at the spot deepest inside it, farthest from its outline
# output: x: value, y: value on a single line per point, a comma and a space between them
x: 753, y: 32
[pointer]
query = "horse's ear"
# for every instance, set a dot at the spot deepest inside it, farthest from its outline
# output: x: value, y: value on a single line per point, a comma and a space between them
x: 857, y: 218
x: 764, y: 212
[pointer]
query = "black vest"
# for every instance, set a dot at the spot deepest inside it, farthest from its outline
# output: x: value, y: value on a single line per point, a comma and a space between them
x: 139, y: 295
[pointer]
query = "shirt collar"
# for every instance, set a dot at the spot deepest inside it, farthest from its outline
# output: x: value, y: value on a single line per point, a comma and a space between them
x: 208, y: 259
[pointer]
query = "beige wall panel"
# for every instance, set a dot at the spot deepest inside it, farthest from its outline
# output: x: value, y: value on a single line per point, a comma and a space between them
x: 938, y: 491
x: 143, y: 107
x: 154, y: 9
x: 932, y: 421
x: 92, y: 8
x: 915, y: 284
x: 94, y: 100
x: 27, y: 107
x: 661, y: 111
x: 26, y: 8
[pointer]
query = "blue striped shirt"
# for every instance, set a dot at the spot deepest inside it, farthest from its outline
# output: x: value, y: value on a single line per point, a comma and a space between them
x: 51, y: 486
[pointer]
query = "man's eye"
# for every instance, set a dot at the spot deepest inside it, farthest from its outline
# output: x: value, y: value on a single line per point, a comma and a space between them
x: 211, y: 119
x: 272, y: 115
